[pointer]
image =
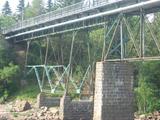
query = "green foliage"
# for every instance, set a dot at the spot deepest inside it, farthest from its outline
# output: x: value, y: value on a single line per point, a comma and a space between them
x: 152, y: 73
x: 6, y: 21
x: 74, y: 96
x: 97, y: 37
x: 15, y: 114
x: 78, y: 74
x: 38, y: 7
x: 28, y: 93
x: 8, y: 76
x: 28, y: 13
x: 3, y: 43
x: 147, y: 90
x: 9, y: 72
x: 144, y: 96
x: 5, y: 57
x: 34, y: 56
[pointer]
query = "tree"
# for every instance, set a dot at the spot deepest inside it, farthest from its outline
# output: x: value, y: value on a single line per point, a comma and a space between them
x: 6, y: 9
x: 49, y: 5
x: 8, y: 75
x: 21, y: 7
x: 9, y: 72
x: 147, y: 87
x: 38, y: 7
x: 28, y: 5
x: 28, y: 11
x: 6, y: 21
x: 144, y: 96
x: 35, y: 9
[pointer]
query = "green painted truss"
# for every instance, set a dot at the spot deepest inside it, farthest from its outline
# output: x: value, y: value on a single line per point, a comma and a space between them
x: 56, y: 77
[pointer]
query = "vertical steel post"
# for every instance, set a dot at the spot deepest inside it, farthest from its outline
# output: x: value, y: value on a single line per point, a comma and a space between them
x: 26, y: 58
x: 104, y: 42
x: 45, y: 61
x: 28, y: 46
x: 142, y: 35
x: 70, y: 61
x: 72, y: 45
x: 48, y: 77
x: 38, y: 79
x: 121, y: 38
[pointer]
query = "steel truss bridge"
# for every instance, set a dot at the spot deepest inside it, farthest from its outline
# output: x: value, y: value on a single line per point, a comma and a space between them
x: 129, y: 35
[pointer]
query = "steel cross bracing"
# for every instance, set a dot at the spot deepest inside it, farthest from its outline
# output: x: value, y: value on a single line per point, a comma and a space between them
x: 57, y: 79
x: 132, y: 38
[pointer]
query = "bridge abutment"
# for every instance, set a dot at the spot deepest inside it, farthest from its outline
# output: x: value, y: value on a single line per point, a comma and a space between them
x: 75, y: 110
x: 113, y: 91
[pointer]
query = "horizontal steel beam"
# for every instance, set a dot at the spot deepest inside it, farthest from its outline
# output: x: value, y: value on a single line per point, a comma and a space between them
x: 157, y: 58
x: 42, y: 66
x: 55, y: 33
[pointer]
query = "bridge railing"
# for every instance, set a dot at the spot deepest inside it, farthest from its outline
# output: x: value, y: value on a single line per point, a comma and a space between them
x: 59, y: 13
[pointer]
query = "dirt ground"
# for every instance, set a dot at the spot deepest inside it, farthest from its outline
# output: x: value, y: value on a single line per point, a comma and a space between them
x: 45, y: 113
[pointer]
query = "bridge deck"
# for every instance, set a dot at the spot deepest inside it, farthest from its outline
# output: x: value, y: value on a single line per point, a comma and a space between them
x: 76, y: 17
x: 78, y: 8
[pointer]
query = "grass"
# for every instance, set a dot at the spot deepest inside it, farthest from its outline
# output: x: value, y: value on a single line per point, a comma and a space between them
x: 15, y: 114
x: 28, y: 93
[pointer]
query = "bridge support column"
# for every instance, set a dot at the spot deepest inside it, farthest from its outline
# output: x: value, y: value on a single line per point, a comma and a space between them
x: 113, y: 98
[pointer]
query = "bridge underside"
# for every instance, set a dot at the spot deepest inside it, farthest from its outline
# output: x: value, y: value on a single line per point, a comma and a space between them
x: 128, y: 31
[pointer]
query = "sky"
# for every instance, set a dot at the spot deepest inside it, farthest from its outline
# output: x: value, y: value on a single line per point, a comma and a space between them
x: 13, y: 4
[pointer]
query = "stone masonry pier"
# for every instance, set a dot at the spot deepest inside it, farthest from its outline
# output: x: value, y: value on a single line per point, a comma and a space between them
x: 75, y: 110
x: 113, y: 98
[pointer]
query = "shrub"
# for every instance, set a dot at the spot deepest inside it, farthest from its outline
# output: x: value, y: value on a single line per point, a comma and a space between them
x: 8, y: 76
x: 145, y: 96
